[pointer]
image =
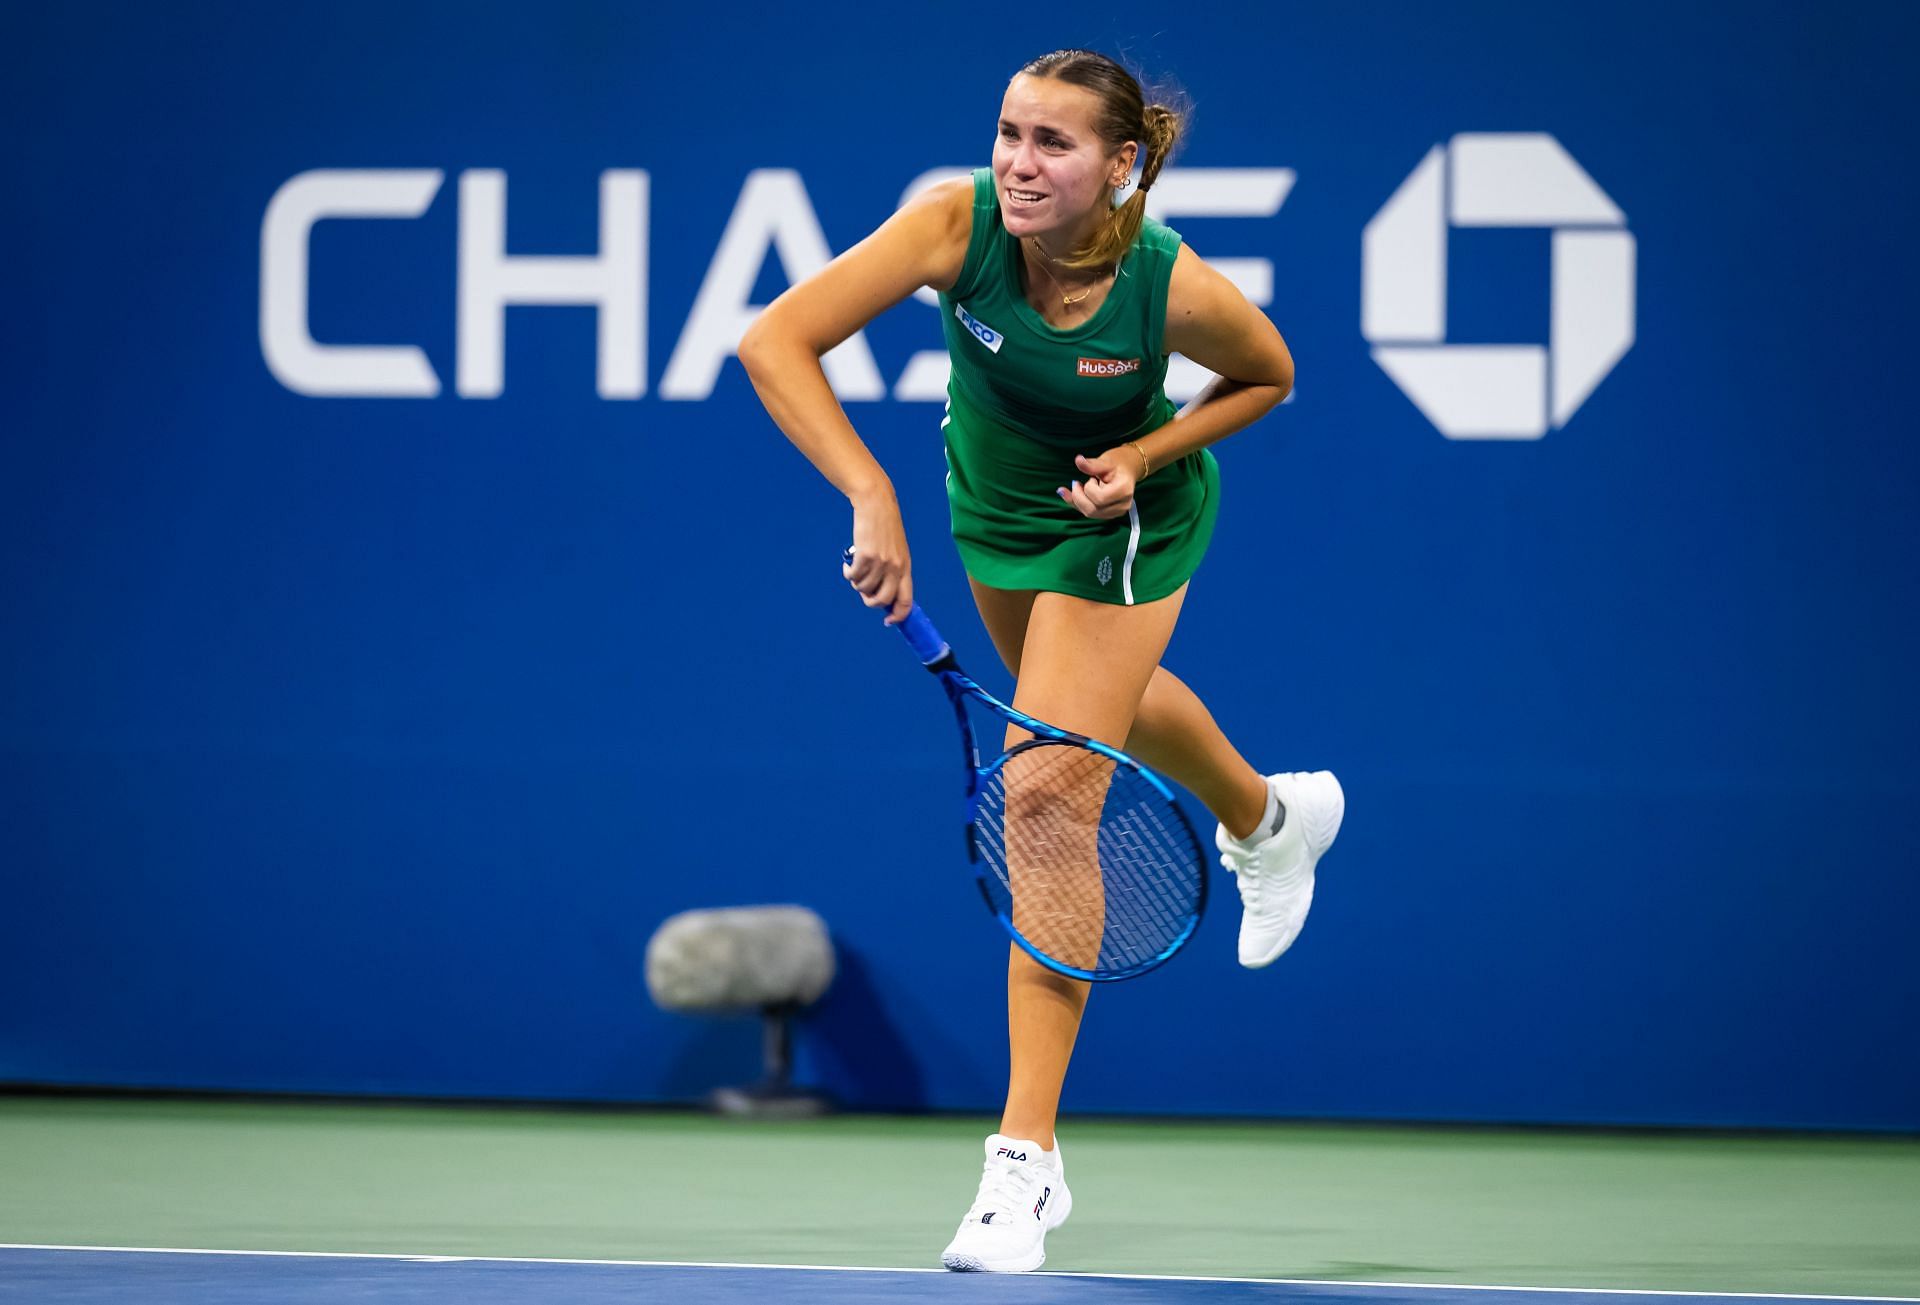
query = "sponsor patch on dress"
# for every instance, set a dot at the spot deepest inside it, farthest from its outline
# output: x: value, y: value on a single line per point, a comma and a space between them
x: 1108, y: 366
x: 980, y: 330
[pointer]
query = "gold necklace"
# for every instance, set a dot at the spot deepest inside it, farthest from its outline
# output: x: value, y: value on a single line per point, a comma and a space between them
x: 1066, y: 300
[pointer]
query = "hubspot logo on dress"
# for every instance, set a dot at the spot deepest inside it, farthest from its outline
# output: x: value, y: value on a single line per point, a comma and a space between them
x: 1108, y: 366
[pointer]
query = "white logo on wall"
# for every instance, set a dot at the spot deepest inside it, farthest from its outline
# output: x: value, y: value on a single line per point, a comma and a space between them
x: 1504, y: 391
x: 772, y: 217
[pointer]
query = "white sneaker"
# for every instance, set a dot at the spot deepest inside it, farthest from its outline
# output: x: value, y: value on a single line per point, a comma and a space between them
x: 1023, y: 1196
x: 1275, y: 877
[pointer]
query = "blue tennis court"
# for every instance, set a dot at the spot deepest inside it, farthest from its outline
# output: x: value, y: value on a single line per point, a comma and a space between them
x: 94, y: 1276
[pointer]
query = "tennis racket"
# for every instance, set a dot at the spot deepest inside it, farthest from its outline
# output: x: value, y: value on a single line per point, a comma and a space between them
x: 1081, y: 852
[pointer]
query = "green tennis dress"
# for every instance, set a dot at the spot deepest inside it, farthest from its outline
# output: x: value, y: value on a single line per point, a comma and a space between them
x: 1025, y: 397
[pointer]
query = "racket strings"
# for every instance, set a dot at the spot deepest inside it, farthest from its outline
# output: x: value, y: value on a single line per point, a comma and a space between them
x: 1145, y: 863
x: 1089, y: 860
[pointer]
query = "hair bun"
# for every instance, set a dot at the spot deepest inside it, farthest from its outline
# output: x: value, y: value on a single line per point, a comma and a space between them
x: 1161, y: 126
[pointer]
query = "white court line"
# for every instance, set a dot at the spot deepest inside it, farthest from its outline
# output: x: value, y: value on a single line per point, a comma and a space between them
x: 868, y: 1268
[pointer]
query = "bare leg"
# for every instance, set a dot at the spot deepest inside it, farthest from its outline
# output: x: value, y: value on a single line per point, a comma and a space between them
x: 1043, y: 1019
x: 1172, y: 732
x: 1063, y: 636
x: 1053, y: 798
x: 1175, y: 734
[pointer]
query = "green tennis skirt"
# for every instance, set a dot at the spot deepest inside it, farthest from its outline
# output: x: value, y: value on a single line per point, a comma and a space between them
x: 1015, y: 532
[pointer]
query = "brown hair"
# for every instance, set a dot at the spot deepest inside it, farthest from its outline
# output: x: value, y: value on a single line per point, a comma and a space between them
x: 1124, y: 116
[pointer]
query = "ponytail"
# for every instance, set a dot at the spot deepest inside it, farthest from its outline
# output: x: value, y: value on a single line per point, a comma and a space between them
x: 1161, y: 131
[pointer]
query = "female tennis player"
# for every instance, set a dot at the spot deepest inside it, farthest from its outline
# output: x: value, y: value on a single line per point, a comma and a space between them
x: 1081, y: 504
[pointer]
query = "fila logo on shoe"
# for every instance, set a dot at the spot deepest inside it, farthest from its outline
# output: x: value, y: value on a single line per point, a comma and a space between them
x: 1041, y: 1204
x: 1010, y: 1154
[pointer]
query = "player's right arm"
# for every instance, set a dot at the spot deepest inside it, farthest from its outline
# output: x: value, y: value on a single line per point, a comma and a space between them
x: 924, y: 244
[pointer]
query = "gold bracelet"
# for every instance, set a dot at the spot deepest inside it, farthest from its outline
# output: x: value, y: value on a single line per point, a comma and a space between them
x: 1146, y: 467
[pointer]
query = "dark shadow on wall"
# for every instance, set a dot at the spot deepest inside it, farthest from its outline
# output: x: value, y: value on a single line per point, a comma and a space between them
x: 849, y: 1048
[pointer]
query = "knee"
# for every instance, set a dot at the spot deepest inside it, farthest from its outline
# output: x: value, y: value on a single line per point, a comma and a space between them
x: 1037, y: 805
x: 1054, y: 788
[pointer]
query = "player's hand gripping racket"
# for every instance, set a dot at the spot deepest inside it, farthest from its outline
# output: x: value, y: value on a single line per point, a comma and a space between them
x: 1081, y: 852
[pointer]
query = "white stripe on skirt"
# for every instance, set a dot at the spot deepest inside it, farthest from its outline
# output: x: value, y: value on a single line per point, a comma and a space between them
x: 1133, y: 546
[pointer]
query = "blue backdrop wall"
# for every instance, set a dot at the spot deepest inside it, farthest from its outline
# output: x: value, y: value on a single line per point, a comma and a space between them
x: 363, y: 712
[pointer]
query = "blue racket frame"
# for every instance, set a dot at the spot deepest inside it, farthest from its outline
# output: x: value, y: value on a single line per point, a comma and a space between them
x: 936, y: 654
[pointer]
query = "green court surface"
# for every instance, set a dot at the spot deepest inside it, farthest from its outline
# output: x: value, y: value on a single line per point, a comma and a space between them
x: 1693, y: 1212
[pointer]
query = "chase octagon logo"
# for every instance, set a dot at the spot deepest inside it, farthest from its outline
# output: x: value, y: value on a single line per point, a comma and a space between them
x: 1503, y: 391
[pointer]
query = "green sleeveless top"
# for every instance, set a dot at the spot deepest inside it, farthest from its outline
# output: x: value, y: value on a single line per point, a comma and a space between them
x: 1098, y: 382
x: 1023, y: 398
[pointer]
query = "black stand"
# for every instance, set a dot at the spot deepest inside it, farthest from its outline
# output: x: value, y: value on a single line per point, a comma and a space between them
x: 774, y: 1096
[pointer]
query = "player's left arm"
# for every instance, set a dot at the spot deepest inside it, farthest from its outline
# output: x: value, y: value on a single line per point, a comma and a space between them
x: 1211, y: 322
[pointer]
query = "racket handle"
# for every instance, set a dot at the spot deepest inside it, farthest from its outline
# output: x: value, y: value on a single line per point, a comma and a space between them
x: 926, y: 642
